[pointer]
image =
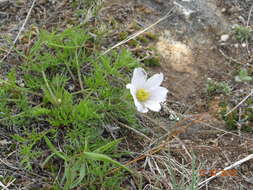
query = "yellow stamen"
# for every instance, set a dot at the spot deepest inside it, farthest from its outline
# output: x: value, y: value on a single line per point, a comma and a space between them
x: 142, y: 95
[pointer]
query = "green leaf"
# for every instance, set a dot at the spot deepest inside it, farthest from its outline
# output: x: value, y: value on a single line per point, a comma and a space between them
x: 107, y: 146
x: 47, y: 159
x: 53, y: 149
x: 81, y: 176
x: 40, y: 111
x: 102, y: 157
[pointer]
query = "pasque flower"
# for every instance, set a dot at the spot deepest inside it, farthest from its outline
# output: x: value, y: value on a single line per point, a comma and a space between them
x: 147, y: 93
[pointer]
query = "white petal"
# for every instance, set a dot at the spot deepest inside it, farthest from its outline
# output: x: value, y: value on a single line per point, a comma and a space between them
x: 152, y: 105
x: 158, y: 94
x: 132, y: 89
x: 139, y: 77
x: 129, y: 86
x: 140, y: 107
x: 154, y: 81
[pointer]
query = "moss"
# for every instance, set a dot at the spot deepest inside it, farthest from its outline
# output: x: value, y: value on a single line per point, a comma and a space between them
x: 246, y: 118
x: 223, y: 104
x: 151, y: 36
x: 143, y: 39
x: 147, y: 37
x: 231, y: 119
x: 123, y: 35
x: 133, y: 43
x: 215, y: 87
x: 152, y: 62
x: 231, y: 123
x: 249, y: 101
x: 247, y: 128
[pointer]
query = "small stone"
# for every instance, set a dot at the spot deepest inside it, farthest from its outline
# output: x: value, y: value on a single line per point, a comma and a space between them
x: 4, y: 142
x: 236, y: 45
x: 250, y: 180
x: 244, y: 44
x: 224, y: 37
x: 71, y: 87
x: 223, y: 10
x: 241, y: 19
x: 22, y: 84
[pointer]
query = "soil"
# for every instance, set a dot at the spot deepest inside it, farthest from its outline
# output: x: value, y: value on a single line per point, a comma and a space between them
x: 190, y: 49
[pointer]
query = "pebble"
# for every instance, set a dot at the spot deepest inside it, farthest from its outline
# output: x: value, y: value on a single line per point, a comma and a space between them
x: 223, y: 10
x: 224, y: 37
x: 244, y: 44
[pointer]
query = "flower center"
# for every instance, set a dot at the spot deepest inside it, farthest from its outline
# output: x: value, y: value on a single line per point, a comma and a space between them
x: 142, y: 95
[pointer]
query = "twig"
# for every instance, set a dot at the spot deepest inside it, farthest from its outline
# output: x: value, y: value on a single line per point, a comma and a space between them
x: 249, y: 157
x: 8, y: 164
x: 130, y: 128
x: 2, y: 185
x: 134, y: 130
x: 230, y: 58
x: 11, y: 182
x: 19, y: 32
x: 179, y: 129
x: 184, y: 147
x: 234, y: 60
x: 249, y: 16
x: 222, y: 130
x: 138, y: 33
x: 244, y: 99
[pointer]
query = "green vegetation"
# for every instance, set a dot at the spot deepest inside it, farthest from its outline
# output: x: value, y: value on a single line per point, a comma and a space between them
x: 185, y: 181
x: 242, y: 33
x: 237, y: 120
x: 152, y: 62
x: 243, y: 76
x: 214, y: 87
x: 68, y: 94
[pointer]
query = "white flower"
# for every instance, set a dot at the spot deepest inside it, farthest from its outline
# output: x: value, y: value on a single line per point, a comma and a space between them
x: 147, y: 93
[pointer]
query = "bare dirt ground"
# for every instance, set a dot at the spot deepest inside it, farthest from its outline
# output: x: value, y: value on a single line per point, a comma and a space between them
x: 190, y: 49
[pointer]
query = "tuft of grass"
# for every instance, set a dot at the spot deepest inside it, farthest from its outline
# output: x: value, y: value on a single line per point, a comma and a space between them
x: 168, y: 173
x: 237, y: 120
x: 215, y: 87
x: 188, y: 182
x: 242, y: 33
x: 243, y: 76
